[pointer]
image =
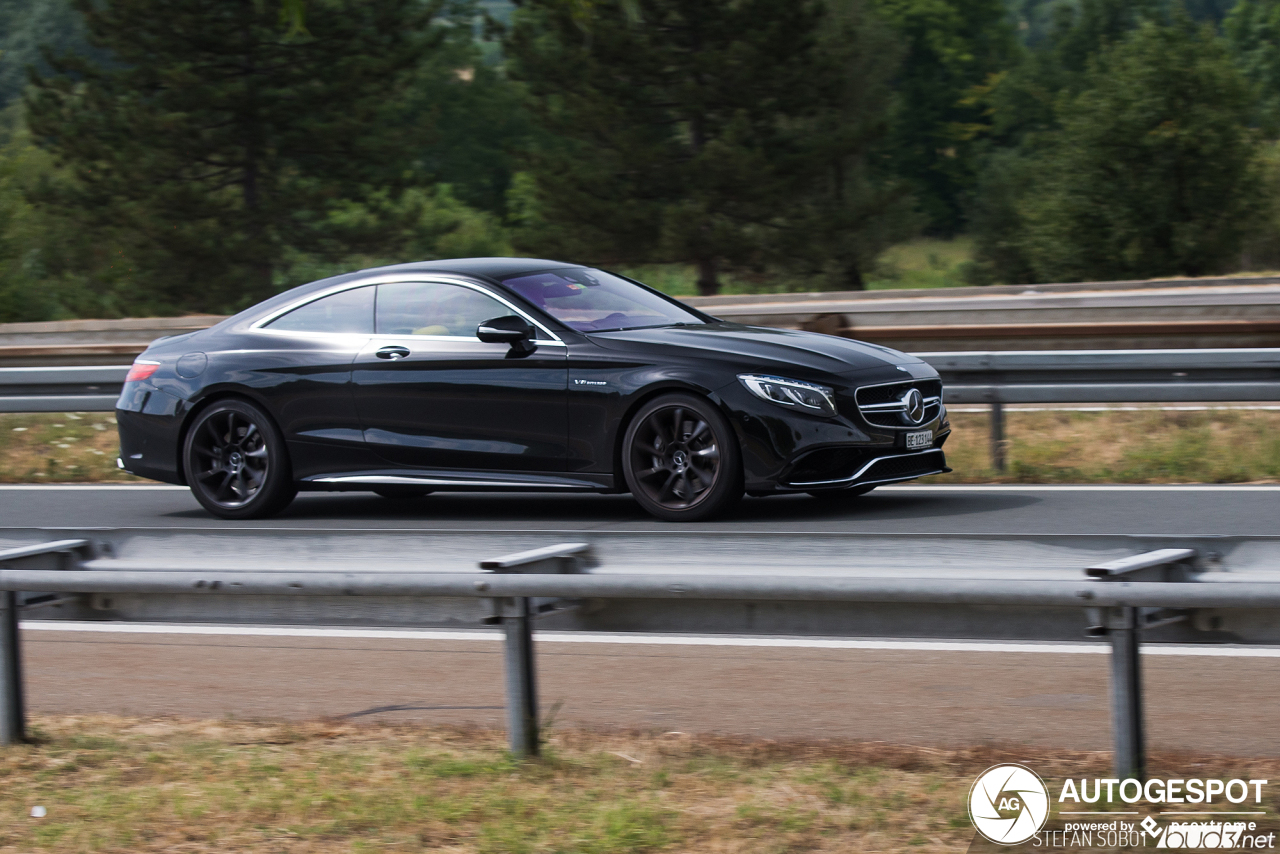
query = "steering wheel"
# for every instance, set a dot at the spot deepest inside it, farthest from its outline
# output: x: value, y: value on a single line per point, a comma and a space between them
x: 615, y: 317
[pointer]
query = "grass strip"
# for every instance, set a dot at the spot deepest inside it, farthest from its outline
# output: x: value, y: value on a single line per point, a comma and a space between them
x: 1140, y: 446
x: 61, y: 447
x: 116, y: 784
x: 1060, y: 446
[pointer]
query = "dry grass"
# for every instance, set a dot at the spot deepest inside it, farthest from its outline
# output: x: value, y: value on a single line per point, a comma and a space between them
x: 1214, y: 446
x: 59, y: 448
x: 128, y: 785
x: 1151, y: 446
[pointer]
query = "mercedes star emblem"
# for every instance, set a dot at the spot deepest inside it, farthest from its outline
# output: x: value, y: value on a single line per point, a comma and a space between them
x: 913, y: 406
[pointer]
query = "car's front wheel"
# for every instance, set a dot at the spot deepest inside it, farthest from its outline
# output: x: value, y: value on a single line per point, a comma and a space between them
x: 235, y: 462
x: 681, y: 459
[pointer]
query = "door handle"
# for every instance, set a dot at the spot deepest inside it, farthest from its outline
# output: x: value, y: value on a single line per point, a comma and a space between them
x: 392, y: 353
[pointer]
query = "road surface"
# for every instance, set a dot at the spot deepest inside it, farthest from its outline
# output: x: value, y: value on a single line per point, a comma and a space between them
x: 922, y: 693
x: 965, y: 694
x: 1183, y: 511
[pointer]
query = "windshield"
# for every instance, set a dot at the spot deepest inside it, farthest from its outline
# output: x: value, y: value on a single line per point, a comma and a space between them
x: 595, y: 301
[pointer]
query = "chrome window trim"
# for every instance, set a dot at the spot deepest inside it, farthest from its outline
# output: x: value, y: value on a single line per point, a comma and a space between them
x: 260, y: 325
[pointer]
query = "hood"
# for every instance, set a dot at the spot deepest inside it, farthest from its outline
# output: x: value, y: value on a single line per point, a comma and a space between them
x: 761, y: 348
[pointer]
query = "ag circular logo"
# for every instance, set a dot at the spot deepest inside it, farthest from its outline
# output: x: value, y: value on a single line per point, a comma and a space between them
x: 1009, y: 804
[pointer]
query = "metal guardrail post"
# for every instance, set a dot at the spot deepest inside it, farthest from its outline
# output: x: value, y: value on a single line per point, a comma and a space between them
x: 62, y: 554
x: 522, y: 687
x: 997, y: 436
x: 1128, y: 732
x: 516, y: 615
x: 13, y: 727
x: 1123, y: 626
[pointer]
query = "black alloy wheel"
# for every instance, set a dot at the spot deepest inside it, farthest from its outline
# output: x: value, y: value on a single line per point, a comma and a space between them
x: 681, y: 459
x: 402, y: 491
x: 235, y: 462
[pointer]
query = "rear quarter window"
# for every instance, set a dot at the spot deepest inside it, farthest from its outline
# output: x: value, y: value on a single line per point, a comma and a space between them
x: 344, y: 312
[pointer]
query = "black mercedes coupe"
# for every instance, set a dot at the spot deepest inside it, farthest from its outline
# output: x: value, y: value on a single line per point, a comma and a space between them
x: 519, y: 374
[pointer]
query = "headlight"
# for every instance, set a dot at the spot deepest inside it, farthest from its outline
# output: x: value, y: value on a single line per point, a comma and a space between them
x: 793, y: 394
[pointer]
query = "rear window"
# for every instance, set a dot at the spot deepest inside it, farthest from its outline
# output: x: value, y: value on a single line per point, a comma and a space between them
x: 347, y: 311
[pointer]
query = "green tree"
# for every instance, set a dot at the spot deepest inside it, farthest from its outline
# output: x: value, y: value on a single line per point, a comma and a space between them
x: 44, y: 255
x: 472, y: 119
x: 698, y: 131
x: 26, y: 28
x: 222, y: 142
x: 852, y: 205
x: 1155, y: 171
x: 1022, y: 103
x: 1062, y: 38
x: 1253, y: 31
x: 954, y: 49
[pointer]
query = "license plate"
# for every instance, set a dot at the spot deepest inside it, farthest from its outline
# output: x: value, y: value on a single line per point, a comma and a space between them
x: 920, y: 439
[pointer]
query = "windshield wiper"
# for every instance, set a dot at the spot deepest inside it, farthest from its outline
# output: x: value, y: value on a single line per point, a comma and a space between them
x: 649, y: 326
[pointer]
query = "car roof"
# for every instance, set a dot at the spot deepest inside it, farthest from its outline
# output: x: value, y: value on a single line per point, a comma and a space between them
x: 490, y: 268
x: 494, y: 269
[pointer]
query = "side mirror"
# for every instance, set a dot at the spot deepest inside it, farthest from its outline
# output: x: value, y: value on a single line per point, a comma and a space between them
x: 511, y: 329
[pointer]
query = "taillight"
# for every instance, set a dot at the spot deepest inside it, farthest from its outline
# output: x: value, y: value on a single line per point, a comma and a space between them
x: 141, y: 371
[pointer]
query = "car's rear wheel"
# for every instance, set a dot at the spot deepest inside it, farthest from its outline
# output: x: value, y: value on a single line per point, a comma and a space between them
x: 681, y: 459
x: 841, y: 494
x: 236, y: 463
x: 399, y: 492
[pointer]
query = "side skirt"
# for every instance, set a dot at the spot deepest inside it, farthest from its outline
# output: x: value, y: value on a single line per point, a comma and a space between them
x: 459, y: 480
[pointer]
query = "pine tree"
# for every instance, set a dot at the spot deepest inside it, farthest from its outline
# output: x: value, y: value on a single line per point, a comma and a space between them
x: 954, y: 49
x: 850, y: 206
x: 708, y: 132
x: 217, y: 141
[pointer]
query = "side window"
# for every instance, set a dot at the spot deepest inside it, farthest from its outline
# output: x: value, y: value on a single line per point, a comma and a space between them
x: 346, y: 311
x: 428, y: 308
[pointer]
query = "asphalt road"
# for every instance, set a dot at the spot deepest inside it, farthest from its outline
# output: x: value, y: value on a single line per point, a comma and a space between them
x: 914, y: 696
x: 918, y: 696
x: 1185, y: 511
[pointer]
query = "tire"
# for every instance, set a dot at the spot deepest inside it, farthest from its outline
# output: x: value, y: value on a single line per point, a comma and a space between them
x: 402, y: 493
x: 841, y: 494
x: 236, y: 463
x: 681, y: 460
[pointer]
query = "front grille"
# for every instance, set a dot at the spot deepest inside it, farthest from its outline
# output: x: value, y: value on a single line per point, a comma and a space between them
x: 880, y: 404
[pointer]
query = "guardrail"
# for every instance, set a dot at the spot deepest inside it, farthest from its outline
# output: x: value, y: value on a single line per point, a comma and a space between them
x: 1215, y: 312
x: 91, y: 388
x: 992, y: 378
x: 1117, y: 315
x: 1121, y: 599
x: 1104, y: 376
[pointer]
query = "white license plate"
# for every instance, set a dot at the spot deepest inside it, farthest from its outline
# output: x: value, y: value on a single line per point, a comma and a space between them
x: 920, y: 439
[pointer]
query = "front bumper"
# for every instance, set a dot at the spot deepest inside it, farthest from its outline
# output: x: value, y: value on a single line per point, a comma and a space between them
x: 788, y: 451
x: 869, y: 467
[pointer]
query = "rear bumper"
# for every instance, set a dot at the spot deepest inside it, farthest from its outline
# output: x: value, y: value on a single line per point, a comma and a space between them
x: 149, y: 445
